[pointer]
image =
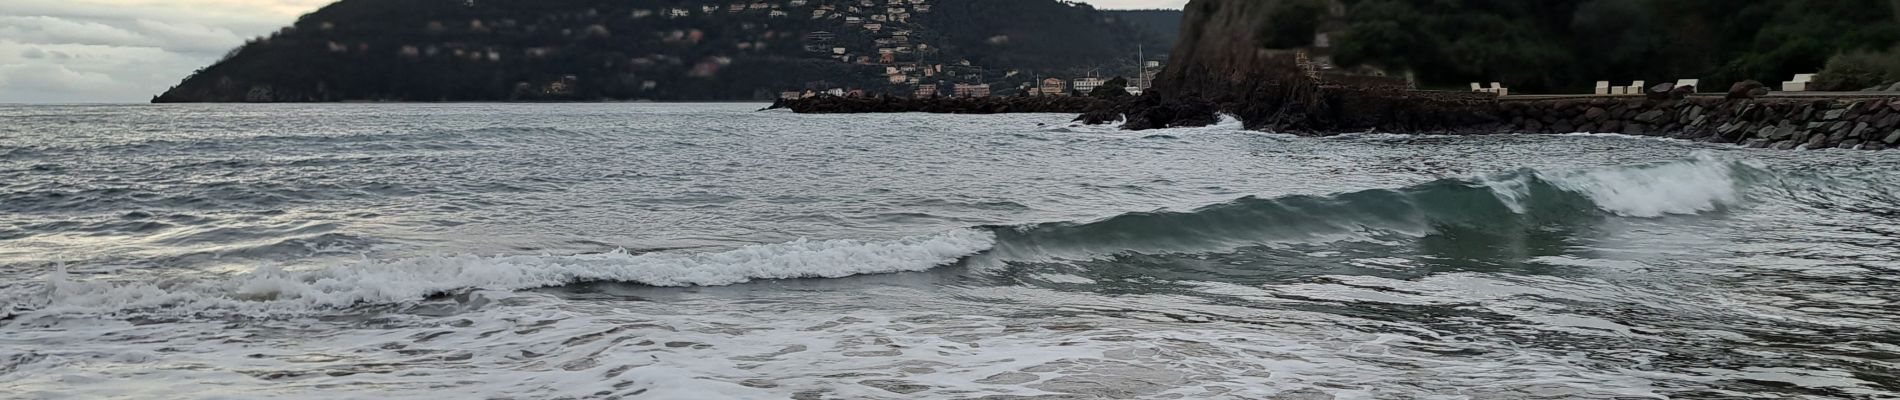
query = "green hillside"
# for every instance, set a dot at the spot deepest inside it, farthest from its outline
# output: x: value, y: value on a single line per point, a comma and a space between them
x: 490, y: 50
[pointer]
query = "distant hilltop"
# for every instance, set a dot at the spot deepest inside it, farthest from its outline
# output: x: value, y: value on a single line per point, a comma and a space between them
x: 672, y: 50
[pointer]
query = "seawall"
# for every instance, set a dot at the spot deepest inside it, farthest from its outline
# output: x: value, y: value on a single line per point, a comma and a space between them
x: 1781, y: 123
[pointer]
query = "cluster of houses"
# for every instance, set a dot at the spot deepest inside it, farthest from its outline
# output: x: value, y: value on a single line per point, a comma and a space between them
x: 887, y: 22
x: 1044, y: 87
x: 894, y: 44
x: 866, y: 33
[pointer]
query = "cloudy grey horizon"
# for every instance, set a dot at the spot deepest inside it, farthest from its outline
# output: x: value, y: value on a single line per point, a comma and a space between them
x: 126, y: 51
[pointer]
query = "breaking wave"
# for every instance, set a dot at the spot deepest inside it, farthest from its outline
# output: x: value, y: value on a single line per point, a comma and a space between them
x: 1512, y: 202
x: 270, y: 291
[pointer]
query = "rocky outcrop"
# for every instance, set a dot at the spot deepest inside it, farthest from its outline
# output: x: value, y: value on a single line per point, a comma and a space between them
x: 1220, y: 64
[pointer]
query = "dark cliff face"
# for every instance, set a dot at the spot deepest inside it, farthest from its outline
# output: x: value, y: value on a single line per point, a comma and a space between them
x: 1222, y: 61
x: 1217, y: 48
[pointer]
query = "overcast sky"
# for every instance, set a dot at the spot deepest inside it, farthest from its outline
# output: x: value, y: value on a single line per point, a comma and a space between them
x: 90, y: 51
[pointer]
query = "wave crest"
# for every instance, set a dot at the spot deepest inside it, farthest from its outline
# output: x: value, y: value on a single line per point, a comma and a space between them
x: 269, y: 291
x: 1512, y: 202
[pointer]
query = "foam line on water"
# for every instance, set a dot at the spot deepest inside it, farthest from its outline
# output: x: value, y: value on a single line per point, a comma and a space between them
x: 272, y: 290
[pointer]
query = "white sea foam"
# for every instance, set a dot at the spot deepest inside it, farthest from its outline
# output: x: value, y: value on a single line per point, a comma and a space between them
x: 1229, y: 122
x: 1701, y: 184
x: 1624, y: 136
x: 1512, y: 191
x: 274, y: 290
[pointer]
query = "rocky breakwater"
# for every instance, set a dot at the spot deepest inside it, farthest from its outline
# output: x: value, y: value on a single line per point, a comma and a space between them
x: 1780, y: 123
x: 942, y: 105
x: 1221, y: 64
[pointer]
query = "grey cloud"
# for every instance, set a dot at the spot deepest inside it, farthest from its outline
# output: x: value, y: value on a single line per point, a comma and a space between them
x: 189, y: 37
x: 97, y: 50
x: 49, y: 30
x: 235, y: 18
x: 180, y: 37
x: 69, y: 73
x: 35, y: 53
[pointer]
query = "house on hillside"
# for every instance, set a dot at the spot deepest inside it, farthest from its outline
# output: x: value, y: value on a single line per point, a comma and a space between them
x: 1053, y: 87
x: 972, y: 90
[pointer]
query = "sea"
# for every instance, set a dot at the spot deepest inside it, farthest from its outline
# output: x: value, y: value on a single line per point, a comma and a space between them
x: 715, y: 251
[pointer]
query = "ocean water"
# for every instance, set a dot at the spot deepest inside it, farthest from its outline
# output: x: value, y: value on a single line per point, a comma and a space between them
x: 710, y: 251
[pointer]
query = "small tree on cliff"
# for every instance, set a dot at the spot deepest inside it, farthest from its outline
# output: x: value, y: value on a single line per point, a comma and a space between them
x: 1113, y: 89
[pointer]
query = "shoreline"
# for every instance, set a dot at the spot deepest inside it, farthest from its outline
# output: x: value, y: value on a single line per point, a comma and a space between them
x: 1865, y: 121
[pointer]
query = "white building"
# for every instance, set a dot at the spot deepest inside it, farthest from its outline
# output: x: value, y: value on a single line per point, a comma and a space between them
x: 1088, y: 85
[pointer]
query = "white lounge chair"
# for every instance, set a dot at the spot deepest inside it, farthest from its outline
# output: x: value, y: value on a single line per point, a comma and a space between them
x: 1499, y: 89
x: 1638, y: 87
x: 1603, y: 88
x: 1799, y: 84
x: 1477, y: 87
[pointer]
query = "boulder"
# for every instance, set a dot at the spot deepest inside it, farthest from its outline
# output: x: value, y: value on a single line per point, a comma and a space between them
x: 1834, y: 114
x: 1779, y: 132
x: 1662, y: 91
x: 1746, y: 90
x: 1595, y: 114
x: 1817, y: 142
x: 1682, y: 92
x: 1651, y: 116
x: 1691, y: 114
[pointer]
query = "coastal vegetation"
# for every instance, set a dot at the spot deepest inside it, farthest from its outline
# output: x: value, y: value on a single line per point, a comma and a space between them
x: 1862, y: 70
x: 1566, y: 45
x: 679, y: 50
